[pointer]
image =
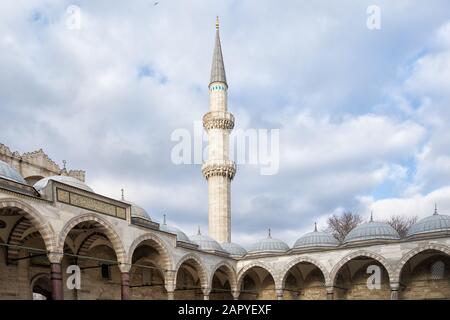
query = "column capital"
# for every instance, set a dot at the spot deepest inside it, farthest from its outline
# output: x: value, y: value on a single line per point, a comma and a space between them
x: 280, y: 293
x: 394, y: 285
x: 235, y: 294
x: 55, y: 257
x: 124, y: 267
x: 330, y: 289
x: 206, y: 290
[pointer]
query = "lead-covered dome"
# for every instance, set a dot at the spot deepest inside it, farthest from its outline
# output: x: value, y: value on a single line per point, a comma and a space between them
x: 234, y: 249
x: 372, y: 231
x: 269, y: 245
x: 181, y: 236
x: 316, y: 239
x: 71, y: 181
x: 138, y: 212
x: 435, y: 223
x: 206, y: 243
x: 8, y: 172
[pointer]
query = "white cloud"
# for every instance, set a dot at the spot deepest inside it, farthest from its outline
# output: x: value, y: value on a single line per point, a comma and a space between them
x: 312, y: 69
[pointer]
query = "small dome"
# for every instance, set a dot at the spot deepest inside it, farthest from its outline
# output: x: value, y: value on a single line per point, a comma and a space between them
x: 206, y: 243
x: 435, y: 223
x: 269, y: 245
x: 372, y: 231
x: 181, y: 236
x: 71, y: 181
x: 8, y: 172
x: 138, y: 212
x: 316, y: 239
x: 234, y: 249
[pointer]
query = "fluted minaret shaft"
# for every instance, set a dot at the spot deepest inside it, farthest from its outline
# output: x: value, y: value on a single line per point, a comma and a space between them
x: 219, y: 170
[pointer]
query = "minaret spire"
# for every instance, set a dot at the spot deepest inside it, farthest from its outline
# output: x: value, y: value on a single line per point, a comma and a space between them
x: 218, y: 68
x: 218, y: 169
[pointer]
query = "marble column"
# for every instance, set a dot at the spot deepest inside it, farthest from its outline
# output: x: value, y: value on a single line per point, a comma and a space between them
x: 125, y: 285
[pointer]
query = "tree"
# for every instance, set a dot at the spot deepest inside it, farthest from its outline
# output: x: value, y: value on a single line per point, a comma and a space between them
x: 401, y: 224
x: 340, y: 225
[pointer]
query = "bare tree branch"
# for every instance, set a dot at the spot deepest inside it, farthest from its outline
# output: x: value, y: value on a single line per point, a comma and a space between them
x: 401, y: 224
x: 340, y: 225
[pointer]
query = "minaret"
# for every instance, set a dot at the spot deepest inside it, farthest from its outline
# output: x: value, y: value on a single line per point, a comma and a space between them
x: 219, y: 170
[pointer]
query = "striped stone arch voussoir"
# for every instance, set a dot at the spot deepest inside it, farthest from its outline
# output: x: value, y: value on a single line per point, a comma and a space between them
x: 243, y: 272
x: 37, y: 220
x: 159, y: 245
x: 285, y: 271
x: 361, y: 253
x: 202, y: 270
x: 231, y: 273
x: 422, y: 247
x: 108, y: 229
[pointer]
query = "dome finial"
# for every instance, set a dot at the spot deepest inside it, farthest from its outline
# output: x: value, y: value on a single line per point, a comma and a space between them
x: 64, y: 170
x: 270, y: 235
x: 123, y: 195
x: 435, y: 209
x: 198, y: 231
x: 315, y: 226
x: 217, y: 22
x: 371, y: 216
x: 164, y: 219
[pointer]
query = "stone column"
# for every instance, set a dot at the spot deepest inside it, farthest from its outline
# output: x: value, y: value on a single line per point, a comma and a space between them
x: 206, y: 292
x: 125, y: 285
x: 280, y: 294
x: 57, y: 283
x: 330, y: 292
x: 235, y: 294
x: 56, y: 275
x: 23, y: 276
x: 170, y: 295
x: 394, y: 290
x: 170, y: 284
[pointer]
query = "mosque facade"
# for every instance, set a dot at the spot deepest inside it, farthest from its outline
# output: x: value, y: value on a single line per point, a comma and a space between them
x: 53, y: 227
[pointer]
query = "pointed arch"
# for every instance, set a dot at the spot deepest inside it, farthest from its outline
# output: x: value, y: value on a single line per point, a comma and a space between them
x: 160, y: 246
x: 231, y: 274
x: 202, y: 270
x: 108, y: 229
x: 244, y: 270
x: 410, y: 254
x: 285, y: 271
x: 356, y: 254
x: 37, y: 220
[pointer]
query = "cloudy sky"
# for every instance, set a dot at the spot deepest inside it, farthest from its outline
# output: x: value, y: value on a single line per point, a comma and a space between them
x: 363, y: 114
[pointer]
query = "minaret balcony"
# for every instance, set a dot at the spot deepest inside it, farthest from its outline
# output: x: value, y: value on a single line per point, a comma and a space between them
x: 225, y: 168
x: 218, y: 120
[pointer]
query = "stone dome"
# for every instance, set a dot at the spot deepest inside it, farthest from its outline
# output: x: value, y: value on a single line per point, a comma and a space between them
x: 181, y: 236
x: 316, y: 239
x: 206, y: 243
x: 234, y: 249
x: 8, y: 172
x: 435, y: 223
x: 269, y: 245
x: 372, y: 231
x: 71, y: 181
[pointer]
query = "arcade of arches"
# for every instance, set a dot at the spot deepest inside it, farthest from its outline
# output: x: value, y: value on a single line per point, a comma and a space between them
x: 27, y: 272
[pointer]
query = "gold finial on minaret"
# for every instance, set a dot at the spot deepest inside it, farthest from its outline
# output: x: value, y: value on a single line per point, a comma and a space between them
x: 217, y: 22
